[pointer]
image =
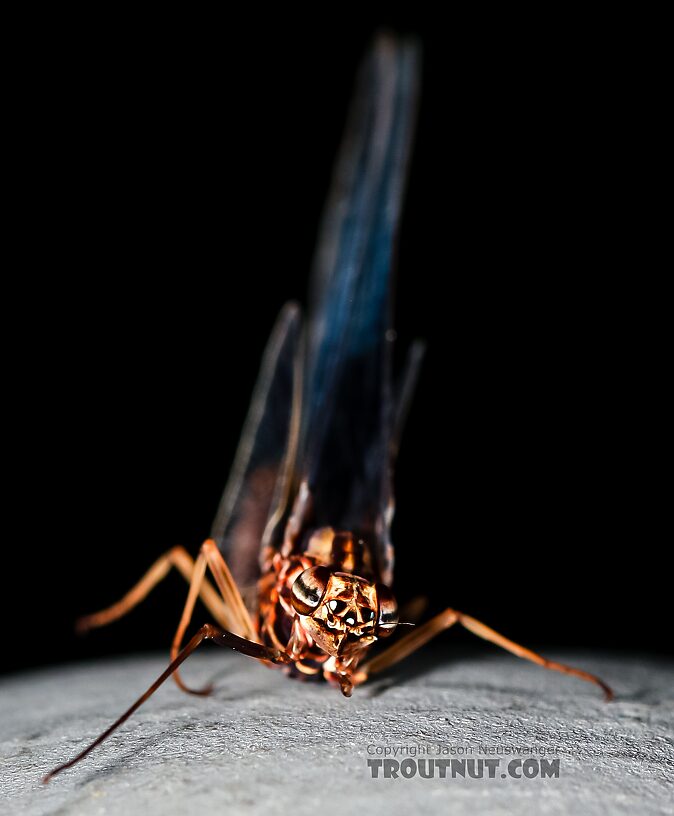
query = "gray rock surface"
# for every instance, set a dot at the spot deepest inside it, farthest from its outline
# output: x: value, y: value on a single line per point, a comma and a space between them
x: 266, y: 744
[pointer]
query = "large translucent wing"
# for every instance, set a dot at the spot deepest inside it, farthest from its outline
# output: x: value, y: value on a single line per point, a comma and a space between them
x: 254, y: 501
x: 348, y: 435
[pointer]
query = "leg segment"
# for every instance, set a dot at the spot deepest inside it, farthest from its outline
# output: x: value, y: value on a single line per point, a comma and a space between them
x: 237, y: 616
x: 229, y: 590
x: 177, y: 557
x: 227, y: 608
x: 207, y: 632
x: 422, y: 634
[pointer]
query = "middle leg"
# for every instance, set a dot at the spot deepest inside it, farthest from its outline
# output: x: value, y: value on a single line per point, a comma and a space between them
x: 422, y: 634
x: 239, y: 620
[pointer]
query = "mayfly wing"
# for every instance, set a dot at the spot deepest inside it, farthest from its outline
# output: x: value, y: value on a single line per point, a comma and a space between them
x: 348, y: 435
x: 253, y: 503
x: 404, y: 391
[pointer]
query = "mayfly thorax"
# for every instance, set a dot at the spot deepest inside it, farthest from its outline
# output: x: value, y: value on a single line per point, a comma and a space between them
x: 298, y: 569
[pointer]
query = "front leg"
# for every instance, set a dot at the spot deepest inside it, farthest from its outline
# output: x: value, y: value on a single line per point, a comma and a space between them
x: 207, y: 632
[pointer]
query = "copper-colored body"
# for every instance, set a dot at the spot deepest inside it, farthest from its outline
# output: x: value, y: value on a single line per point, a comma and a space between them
x: 334, y: 636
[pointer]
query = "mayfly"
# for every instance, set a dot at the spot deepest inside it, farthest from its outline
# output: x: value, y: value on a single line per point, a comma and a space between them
x: 300, y: 551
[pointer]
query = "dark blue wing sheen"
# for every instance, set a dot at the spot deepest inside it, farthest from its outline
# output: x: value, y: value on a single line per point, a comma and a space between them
x: 349, y: 415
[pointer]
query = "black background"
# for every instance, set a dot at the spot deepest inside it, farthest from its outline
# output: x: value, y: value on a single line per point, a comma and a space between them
x: 172, y: 175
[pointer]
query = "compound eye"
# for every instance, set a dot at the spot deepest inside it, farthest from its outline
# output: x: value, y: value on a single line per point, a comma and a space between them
x: 387, y: 613
x: 308, y: 589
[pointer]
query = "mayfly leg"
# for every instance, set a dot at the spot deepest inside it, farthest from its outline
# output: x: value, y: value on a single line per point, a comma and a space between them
x: 207, y: 632
x: 241, y: 623
x: 422, y: 634
x: 228, y: 610
x: 177, y: 558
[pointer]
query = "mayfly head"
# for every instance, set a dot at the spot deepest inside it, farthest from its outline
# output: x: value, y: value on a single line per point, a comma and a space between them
x: 341, y: 612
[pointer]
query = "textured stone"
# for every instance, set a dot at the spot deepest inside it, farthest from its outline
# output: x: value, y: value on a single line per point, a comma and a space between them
x: 265, y: 744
